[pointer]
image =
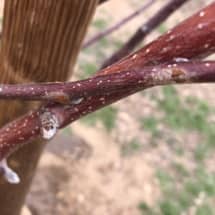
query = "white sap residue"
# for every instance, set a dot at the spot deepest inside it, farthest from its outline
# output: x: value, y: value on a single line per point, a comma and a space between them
x: 8, y: 173
x: 49, y: 125
x: 181, y: 59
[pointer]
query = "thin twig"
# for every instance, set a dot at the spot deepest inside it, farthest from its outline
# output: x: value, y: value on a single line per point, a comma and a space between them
x: 144, y: 30
x: 193, y: 38
x: 117, y: 25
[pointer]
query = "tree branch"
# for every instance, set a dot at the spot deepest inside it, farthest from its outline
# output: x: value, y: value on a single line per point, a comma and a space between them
x: 117, y: 25
x: 49, y: 118
x: 193, y: 38
x: 144, y: 30
x: 146, y: 68
x: 73, y: 93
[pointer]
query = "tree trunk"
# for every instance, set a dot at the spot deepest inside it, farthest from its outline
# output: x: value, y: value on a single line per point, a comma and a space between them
x: 40, y: 42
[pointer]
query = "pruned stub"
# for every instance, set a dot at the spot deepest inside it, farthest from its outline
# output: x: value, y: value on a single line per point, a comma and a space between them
x: 49, y: 124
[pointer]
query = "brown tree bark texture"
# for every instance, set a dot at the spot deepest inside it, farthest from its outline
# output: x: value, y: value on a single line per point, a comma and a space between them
x: 40, y: 43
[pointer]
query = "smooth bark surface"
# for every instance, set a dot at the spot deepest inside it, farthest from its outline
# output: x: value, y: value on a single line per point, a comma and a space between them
x: 40, y: 42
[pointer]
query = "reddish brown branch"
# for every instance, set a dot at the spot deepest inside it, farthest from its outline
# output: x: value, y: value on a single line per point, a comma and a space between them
x: 117, y: 25
x: 144, y: 30
x: 75, y: 92
x: 193, y: 38
x: 121, y: 84
x: 145, y: 68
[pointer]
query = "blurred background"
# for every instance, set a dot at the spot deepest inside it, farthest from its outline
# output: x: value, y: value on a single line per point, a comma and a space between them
x: 151, y: 153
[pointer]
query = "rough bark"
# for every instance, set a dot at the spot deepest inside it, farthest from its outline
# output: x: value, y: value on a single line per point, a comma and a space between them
x: 40, y: 42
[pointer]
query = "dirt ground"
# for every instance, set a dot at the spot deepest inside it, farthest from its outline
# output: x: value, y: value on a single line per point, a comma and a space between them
x: 83, y: 170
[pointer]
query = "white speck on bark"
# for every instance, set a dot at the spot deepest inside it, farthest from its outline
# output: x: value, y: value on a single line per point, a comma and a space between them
x: 181, y: 59
x: 77, y: 101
